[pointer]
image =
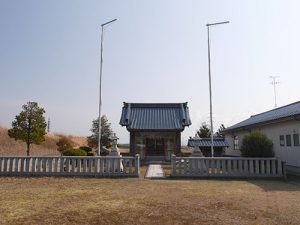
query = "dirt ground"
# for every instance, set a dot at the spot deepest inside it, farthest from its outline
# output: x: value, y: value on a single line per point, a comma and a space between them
x: 143, y: 201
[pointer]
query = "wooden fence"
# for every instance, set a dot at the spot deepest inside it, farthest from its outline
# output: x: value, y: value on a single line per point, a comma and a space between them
x: 94, y: 166
x: 239, y: 167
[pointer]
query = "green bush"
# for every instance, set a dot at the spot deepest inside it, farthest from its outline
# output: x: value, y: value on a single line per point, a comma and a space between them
x: 85, y: 148
x: 74, y: 152
x: 257, y: 144
x: 88, y: 150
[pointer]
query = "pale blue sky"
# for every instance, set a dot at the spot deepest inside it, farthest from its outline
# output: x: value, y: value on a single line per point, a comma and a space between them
x: 155, y: 52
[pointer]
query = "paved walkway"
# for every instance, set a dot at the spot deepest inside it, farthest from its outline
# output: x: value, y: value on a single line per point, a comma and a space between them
x: 155, y: 171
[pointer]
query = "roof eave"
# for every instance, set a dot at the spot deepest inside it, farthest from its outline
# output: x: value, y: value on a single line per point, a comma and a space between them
x: 247, y: 127
x: 154, y: 130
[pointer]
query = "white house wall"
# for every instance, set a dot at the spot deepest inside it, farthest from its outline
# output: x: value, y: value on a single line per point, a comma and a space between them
x: 230, y: 139
x: 290, y: 154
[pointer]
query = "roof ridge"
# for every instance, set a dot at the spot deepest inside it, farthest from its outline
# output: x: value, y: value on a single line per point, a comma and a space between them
x: 146, y: 103
x: 177, y: 104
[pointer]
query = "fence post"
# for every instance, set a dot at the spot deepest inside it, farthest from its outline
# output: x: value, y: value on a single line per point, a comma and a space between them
x: 27, y: 166
x: 284, y: 170
x: 173, y: 164
x: 137, y: 164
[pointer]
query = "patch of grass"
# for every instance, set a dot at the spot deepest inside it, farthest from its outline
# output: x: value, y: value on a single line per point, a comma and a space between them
x: 167, y: 170
x: 143, y: 201
x: 143, y: 170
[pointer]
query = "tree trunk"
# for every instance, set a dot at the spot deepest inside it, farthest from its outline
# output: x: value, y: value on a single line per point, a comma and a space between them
x: 28, y: 149
x: 28, y: 136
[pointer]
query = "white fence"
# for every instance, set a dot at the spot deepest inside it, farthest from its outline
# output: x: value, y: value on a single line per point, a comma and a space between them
x: 94, y: 166
x: 230, y: 167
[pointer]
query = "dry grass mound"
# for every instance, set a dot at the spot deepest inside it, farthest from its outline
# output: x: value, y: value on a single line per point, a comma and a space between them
x: 10, y: 147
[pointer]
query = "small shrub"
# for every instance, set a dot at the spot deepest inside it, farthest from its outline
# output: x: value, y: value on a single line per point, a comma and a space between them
x: 74, y: 152
x: 85, y: 148
x: 88, y: 150
x: 257, y: 144
x: 63, y: 144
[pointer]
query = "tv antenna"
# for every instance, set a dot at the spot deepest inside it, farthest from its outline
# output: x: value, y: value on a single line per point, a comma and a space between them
x: 274, y: 82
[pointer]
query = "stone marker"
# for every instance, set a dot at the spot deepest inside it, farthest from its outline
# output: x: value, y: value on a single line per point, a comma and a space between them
x: 115, y: 151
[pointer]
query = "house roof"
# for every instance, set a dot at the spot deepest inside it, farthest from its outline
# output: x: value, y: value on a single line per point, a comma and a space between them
x: 206, y: 142
x: 284, y: 112
x: 155, y: 116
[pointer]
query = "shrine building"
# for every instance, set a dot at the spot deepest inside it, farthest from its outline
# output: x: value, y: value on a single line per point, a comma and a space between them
x: 155, y: 128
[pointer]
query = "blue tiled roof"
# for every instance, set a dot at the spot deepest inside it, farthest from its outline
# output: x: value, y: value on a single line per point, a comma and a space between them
x: 287, y: 111
x: 155, y: 116
x: 206, y: 142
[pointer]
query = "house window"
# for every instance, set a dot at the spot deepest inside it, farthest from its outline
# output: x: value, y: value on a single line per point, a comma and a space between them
x: 281, y: 139
x: 296, y: 139
x: 288, y: 140
x: 236, y: 143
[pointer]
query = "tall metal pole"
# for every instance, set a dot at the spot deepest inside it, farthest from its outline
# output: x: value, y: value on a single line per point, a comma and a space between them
x: 210, y: 90
x: 210, y: 97
x: 100, y: 88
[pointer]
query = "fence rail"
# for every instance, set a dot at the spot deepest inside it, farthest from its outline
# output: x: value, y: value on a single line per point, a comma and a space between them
x: 239, y: 167
x: 94, y: 166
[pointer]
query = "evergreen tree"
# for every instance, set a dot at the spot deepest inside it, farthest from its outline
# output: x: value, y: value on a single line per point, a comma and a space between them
x: 29, y: 126
x: 106, y: 132
x: 204, y: 131
x: 220, y: 133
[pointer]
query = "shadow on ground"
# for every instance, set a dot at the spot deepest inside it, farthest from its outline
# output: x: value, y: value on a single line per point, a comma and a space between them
x: 292, y: 183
